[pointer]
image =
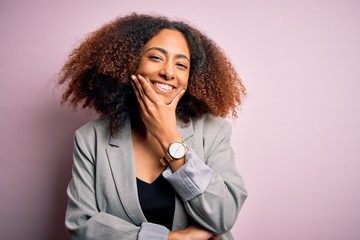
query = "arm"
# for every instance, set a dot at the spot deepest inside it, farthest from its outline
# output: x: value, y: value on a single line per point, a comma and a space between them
x: 212, y: 189
x: 213, y: 193
x: 84, y: 221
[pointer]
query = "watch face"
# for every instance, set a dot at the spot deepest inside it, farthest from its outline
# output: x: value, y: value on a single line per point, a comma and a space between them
x: 177, y: 150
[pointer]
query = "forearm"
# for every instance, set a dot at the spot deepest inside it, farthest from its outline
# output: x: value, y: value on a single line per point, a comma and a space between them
x: 218, y: 207
x: 211, y: 188
x: 100, y: 226
x: 106, y: 226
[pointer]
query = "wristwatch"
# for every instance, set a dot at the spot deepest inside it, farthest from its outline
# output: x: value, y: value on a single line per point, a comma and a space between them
x: 176, y: 151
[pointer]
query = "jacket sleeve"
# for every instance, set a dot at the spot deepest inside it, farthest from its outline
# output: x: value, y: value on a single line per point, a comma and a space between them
x: 83, y: 219
x: 212, y: 189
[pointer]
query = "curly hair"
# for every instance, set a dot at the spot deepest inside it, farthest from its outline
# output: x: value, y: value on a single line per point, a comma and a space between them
x: 97, y: 73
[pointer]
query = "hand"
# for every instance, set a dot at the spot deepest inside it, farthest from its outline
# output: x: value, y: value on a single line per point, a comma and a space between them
x: 192, y: 233
x: 158, y: 117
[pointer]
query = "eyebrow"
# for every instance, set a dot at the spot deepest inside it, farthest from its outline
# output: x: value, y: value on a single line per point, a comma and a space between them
x: 179, y: 55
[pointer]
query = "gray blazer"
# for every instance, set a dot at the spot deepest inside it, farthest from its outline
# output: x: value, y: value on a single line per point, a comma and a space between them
x: 103, y: 200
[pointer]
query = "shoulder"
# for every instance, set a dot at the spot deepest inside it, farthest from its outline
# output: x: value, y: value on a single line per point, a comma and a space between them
x: 96, y: 129
x: 95, y: 125
x: 210, y: 123
x: 210, y: 127
x: 210, y: 133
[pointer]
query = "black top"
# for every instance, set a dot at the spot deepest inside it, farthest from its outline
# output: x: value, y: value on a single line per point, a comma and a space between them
x: 157, y: 201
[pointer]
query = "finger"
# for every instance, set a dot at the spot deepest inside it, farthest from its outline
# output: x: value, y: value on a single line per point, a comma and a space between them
x: 148, y: 90
x: 148, y: 95
x: 138, y: 86
x: 177, y: 98
x: 138, y: 95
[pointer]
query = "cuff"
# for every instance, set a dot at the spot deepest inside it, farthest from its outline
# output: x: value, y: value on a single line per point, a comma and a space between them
x: 191, y: 179
x: 151, y: 231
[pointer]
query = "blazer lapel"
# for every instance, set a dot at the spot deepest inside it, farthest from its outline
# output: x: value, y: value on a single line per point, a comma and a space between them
x: 186, y: 131
x: 121, y: 159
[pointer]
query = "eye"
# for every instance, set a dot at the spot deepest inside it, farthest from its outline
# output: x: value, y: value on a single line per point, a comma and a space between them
x: 182, y: 66
x: 155, y: 58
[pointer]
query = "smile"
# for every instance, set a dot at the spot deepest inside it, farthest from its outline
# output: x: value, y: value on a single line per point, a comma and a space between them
x: 163, y: 87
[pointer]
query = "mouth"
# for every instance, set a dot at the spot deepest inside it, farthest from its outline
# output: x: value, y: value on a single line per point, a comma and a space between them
x: 162, y: 87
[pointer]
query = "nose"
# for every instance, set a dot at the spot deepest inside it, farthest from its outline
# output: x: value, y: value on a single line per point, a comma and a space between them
x: 167, y: 72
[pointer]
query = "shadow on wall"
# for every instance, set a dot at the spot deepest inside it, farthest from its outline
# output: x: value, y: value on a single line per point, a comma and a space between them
x: 60, y: 125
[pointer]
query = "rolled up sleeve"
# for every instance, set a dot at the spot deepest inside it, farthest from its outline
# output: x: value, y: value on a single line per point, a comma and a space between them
x: 191, y: 179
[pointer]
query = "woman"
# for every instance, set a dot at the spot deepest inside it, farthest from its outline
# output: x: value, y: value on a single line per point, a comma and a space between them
x: 158, y: 163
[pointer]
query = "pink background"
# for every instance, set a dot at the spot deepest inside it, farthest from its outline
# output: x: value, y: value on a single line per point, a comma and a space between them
x: 297, y: 138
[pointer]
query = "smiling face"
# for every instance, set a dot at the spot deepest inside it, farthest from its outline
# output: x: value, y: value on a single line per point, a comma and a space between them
x: 165, y: 61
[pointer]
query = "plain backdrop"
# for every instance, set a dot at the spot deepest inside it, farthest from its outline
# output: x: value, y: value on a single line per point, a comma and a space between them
x: 296, y: 139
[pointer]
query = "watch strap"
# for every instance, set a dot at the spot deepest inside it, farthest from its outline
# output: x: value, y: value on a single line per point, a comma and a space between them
x: 168, y: 157
x: 163, y: 161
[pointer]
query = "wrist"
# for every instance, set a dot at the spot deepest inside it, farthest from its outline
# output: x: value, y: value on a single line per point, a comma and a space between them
x: 175, y: 155
x: 169, y: 138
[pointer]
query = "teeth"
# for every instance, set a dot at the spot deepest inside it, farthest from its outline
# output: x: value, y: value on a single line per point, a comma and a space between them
x: 163, y: 87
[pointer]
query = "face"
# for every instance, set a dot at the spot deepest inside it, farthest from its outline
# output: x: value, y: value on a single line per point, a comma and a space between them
x: 165, y: 61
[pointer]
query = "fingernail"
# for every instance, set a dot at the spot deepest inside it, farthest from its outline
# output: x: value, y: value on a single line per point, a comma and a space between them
x: 133, y: 77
